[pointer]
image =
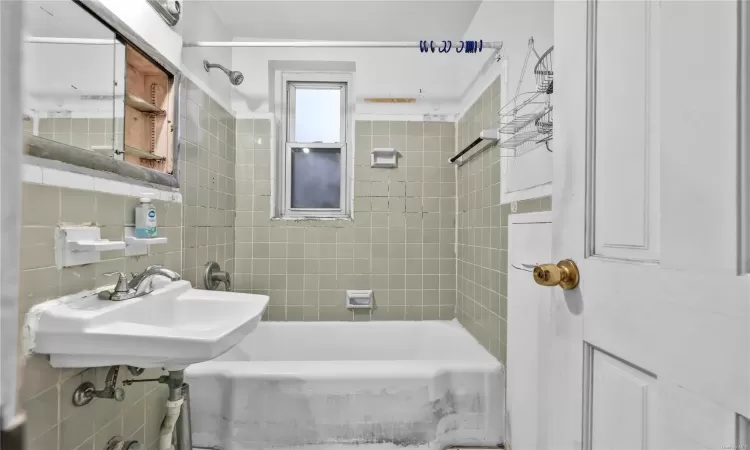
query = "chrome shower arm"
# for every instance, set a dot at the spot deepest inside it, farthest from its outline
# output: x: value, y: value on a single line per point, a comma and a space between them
x: 208, y: 66
x: 235, y: 76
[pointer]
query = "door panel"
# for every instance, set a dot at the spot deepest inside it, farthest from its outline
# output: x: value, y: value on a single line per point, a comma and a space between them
x: 645, y: 202
x: 626, y: 152
x: 683, y: 326
x: 620, y: 397
x: 632, y: 409
x: 699, y: 147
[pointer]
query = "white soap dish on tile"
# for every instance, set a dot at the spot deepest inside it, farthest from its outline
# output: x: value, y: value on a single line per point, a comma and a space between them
x: 136, y: 246
x: 76, y: 246
x: 384, y: 157
x: 359, y: 299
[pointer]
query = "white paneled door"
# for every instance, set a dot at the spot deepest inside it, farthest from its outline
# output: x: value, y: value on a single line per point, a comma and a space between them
x: 652, y: 349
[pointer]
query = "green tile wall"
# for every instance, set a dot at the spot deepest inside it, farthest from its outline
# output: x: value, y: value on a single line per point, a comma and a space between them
x: 400, y: 244
x: 46, y: 393
x: 205, y: 218
x: 207, y: 183
x: 482, y: 229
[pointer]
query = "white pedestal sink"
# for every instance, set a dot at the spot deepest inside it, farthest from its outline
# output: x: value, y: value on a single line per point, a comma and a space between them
x: 172, y: 327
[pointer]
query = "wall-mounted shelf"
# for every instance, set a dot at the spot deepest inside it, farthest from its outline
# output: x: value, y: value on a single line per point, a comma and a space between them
x: 132, y: 151
x: 142, y: 105
x: 517, y: 122
x: 145, y: 241
x: 102, y: 245
x: 527, y: 119
x: 135, y: 246
x: 75, y: 246
x: 519, y: 139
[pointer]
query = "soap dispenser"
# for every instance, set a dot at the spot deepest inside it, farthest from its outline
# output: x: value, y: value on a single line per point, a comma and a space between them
x: 145, y: 219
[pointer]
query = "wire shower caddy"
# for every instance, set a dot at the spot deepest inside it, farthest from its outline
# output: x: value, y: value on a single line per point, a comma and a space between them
x: 526, y: 121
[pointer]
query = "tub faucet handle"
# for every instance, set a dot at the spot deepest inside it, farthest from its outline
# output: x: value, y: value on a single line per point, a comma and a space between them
x: 213, y: 276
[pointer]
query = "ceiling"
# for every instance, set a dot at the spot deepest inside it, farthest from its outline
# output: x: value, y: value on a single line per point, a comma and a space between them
x: 382, y: 20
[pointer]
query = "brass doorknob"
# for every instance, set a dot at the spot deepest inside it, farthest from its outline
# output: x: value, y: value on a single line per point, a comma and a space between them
x: 565, y: 274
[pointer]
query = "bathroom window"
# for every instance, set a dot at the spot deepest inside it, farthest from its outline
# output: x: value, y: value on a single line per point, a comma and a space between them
x: 314, y: 161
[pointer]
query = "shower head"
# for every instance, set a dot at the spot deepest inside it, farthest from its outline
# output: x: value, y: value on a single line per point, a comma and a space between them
x: 235, y: 76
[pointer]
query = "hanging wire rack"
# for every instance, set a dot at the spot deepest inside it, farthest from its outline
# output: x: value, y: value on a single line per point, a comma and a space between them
x: 526, y: 121
x: 543, y: 72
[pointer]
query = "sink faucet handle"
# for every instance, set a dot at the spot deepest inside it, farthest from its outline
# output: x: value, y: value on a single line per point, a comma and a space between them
x: 122, y: 281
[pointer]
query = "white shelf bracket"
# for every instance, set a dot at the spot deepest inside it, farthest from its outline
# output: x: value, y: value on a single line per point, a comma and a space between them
x: 76, y: 246
x: 135, y: 246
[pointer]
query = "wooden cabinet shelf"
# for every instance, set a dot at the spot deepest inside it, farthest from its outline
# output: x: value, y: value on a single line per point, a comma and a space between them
x: 149, y: 109
x: 142, y: 105
x: 132, y: 151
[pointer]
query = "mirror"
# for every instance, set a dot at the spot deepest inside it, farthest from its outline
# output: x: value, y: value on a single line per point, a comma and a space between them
x: 74, y: 73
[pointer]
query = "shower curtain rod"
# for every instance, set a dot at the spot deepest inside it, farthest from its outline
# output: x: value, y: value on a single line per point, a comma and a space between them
x: 82, y: 41
x: 279, y: 44
x: 331, y: 44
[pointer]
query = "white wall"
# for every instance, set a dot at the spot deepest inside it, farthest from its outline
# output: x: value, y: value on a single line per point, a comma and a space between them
x: 513, y: 22
x: 199, y: 22
x: 379, y: 73
x: 448, y: 82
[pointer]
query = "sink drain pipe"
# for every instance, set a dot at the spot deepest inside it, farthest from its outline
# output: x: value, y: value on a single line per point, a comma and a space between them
x: 174, y: 404
x: 176, y: 423
x: 184, y: 429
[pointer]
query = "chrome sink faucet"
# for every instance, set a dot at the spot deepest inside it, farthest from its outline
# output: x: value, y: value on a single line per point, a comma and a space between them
x: 139, y: 281
x: 139, y: 286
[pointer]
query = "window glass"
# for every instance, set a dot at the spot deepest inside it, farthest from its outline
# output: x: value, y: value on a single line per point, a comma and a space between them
x: 316, y: 178
x: 317, y: 115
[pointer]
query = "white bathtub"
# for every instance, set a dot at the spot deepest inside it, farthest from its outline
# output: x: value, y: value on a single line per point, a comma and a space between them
x: 339, y: 384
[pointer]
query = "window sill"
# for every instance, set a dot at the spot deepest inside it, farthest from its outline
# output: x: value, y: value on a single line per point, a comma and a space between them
x: 313, y: 220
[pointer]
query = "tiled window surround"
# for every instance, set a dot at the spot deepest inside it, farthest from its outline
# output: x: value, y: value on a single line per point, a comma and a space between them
x: 53, y: 422
x: 207, y: 169
x: 400, y: 243
x: 482, y: 260
x: 52, y: 196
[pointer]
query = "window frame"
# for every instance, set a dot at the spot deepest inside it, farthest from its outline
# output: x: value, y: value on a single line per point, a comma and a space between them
x: 289, y: 83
